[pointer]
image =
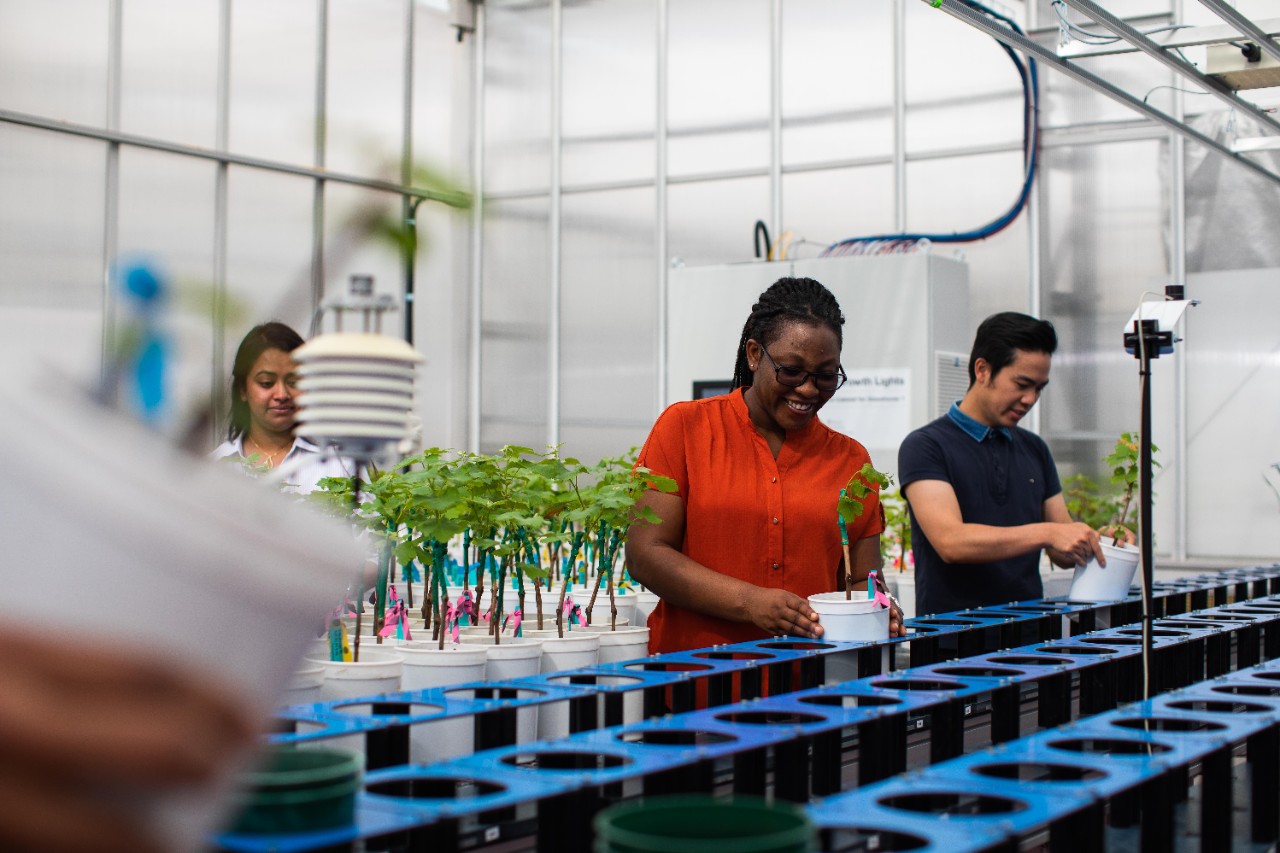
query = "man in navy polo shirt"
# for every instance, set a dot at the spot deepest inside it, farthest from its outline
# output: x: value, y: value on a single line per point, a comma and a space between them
x: 983, y: 493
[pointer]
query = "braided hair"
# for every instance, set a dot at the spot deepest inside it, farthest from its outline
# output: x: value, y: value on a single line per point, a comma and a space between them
x: 786, y: 300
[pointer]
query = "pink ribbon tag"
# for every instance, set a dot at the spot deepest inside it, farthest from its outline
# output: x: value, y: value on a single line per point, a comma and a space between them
x: 402, y: 625
x: 389, y: 623
x: 572, y: 612
x: 451, y: 619
x: 881, y: 598
x: 513, y: 620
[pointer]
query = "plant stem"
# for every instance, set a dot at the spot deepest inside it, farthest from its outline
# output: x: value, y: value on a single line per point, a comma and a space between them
x: 439, y: 554
x: 537, y: 598
x: 355, y: 643
x: 601, y: 552
x: 848, y: 573
x: 564, y: 584
x: 466, y: 561
x: 1124, y: 512
x: 499, y: 591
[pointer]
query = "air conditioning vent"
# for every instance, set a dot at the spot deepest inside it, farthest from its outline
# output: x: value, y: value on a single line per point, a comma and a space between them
x: 953, y: 379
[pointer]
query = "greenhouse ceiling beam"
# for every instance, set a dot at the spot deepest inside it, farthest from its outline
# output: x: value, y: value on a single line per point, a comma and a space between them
x: 1160, y: 54
x: 1245, y: 26
x: 1169, y: 40
x: 118, y: 138
x: 1048, y: 57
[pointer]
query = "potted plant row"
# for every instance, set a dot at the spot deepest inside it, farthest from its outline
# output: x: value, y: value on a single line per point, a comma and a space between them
x: 519, y: 520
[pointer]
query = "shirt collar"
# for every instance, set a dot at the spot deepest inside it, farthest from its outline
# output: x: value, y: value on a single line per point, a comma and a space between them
x: 299, y: 443
x: 972, y: 428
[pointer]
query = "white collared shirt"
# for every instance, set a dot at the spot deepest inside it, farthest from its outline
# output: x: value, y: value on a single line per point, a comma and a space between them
x: 304, y: 465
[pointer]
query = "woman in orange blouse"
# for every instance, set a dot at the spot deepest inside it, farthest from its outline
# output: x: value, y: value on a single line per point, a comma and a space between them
x: 751, y: 531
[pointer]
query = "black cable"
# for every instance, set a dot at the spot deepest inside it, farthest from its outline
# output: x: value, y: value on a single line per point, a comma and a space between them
x: 768, y: 246
x: 1030, y: 150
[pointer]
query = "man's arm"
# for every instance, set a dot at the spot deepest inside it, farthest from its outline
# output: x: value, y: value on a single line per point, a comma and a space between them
x: 938, y: 512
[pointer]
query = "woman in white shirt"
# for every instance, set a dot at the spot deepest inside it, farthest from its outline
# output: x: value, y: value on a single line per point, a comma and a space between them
x: 264, y: 390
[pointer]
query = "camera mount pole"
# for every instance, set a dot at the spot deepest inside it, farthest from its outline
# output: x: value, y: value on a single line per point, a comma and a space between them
x: 1146, y: 341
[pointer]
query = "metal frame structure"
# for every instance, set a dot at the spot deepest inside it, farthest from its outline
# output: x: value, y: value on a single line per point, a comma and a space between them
x: 116, y: 139
x: 1140, y: 42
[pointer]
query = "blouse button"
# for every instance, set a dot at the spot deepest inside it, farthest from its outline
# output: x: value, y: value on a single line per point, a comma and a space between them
x: 775, y: 520
x: 776, y: 566
x: 773, y: 480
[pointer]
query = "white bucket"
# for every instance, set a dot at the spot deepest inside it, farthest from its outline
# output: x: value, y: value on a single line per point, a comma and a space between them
x: 626, y: 643
x: 369, y: 641
x: 645, y: 603
x: 1093, y: 582
x: 576, y: 650
x: 515, y: 657
x: 305, y: 685
x: 600, y: 617
x: 402, y: 592
x: 426, y: 666
x: 377, y: 671
x: 482, y: 631
x: 850, y: 619
x: 624, y: 600
x: 318, y: 647
x: 579, y: 649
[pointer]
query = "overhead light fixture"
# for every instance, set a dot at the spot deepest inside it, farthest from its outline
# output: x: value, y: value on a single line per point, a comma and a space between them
x: 1242, y: 65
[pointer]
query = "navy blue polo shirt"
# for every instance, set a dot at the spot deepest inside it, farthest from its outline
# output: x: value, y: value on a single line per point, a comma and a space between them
x: 1001, y: 477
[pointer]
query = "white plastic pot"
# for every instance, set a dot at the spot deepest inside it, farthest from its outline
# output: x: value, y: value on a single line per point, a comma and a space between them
x: 645, y: 603
x: 625, y: 600
x: 626, y: 643
x: 600, y: 617
x: 427, y: 666
x: 305, y: 685
x: 1093, y: 582
x: 514, y: 657
x: 377, y: 671
x: 850, y: 619
x: 574, y: 651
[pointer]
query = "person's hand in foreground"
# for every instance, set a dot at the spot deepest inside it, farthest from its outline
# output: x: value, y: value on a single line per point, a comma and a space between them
x: 76, y: 722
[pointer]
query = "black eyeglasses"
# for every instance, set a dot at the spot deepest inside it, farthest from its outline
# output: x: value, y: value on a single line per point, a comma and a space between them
x: 794, y: 377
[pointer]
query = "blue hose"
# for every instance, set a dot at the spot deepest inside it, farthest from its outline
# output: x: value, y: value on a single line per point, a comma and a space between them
x: 1031, y: 148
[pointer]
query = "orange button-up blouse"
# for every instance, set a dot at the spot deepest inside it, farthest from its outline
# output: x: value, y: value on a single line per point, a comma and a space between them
x: 770, y: 522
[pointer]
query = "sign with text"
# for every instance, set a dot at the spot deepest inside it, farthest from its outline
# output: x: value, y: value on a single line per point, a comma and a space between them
x: 873, y: 407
